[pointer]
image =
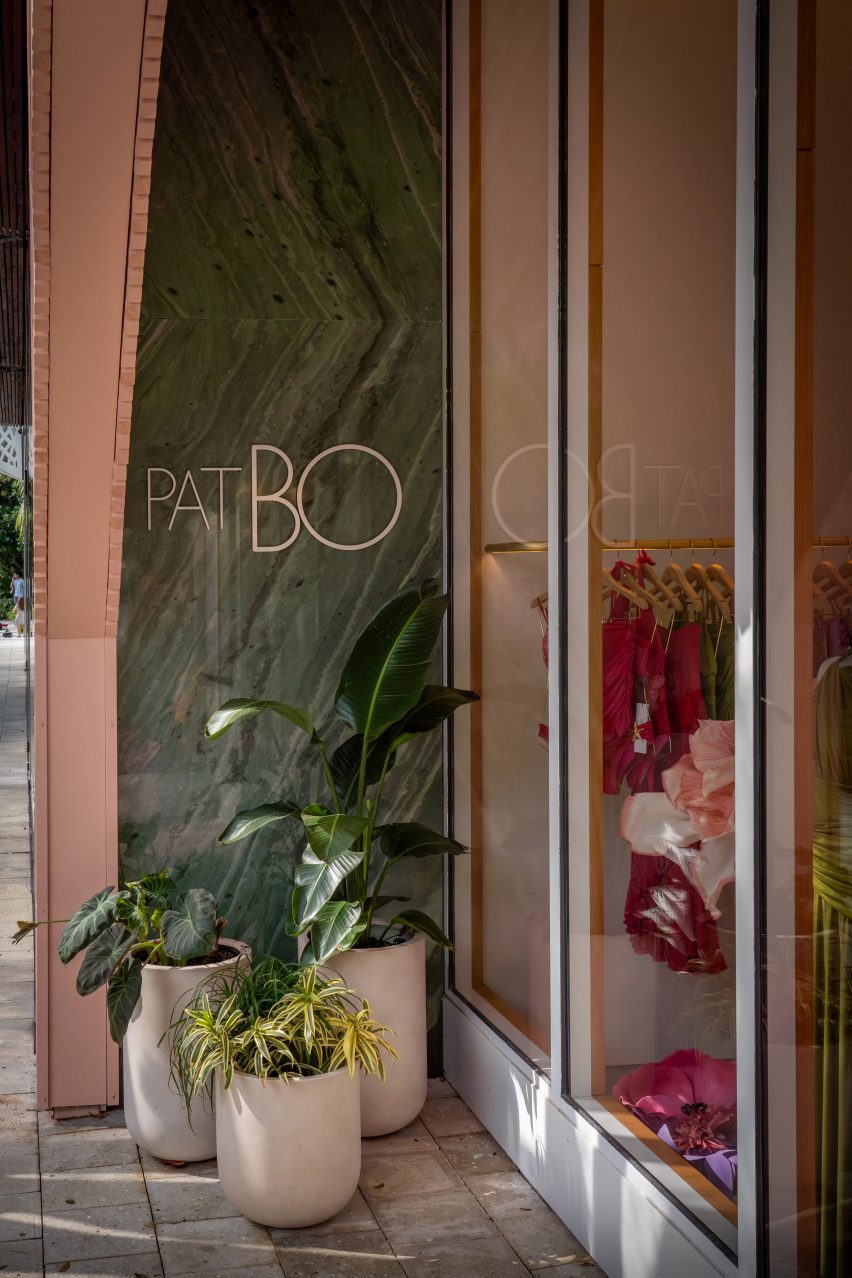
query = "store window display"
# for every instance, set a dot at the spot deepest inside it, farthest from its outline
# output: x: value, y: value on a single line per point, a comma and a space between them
x: 659, y: 1071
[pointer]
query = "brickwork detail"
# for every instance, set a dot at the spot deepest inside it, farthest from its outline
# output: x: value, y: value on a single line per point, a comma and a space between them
x: 40, y: 88
x: 149, y: 82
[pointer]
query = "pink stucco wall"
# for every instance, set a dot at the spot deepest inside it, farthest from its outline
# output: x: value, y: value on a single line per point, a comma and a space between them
x: 93, y: 97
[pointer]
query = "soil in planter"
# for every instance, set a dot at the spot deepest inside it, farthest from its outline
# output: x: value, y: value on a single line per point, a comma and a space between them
x: 373, y: 942
x: 221, y: 955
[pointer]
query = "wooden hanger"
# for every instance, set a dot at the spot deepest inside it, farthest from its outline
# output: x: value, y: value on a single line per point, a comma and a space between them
x: 676, y: 576
x: 719, y: 574
x: 698, y: 575
x: 627, y: 592
x: 834, y: 584
x: 662, y: 593
x: 540, y: 601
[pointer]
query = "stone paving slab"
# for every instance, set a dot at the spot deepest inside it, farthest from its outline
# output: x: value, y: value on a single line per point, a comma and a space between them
x: 92, y: 1233
x: 121, y: 1184
x: 232, y: 1243
x: 142, y: 1265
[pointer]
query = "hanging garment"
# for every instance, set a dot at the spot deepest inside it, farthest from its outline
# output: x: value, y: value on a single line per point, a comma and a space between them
x: 666, y: 918
x: 831, y: 638
x: 726, y: 686
x: 636, y: 744
x: 832, y: 878
x: 709, y: 667
x: 617, y: 684
x: 541, y: 605
x: 685, y: 702
x: 640, y: 768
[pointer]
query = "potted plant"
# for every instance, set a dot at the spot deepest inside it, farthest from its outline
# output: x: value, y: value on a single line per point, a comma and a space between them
x: 151, y: 945
x: 339, y: 895
x: 280, y: 1045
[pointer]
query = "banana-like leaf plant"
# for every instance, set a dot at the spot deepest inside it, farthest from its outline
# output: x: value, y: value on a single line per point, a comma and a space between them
x: 385, y: 702
x: 149, y: 920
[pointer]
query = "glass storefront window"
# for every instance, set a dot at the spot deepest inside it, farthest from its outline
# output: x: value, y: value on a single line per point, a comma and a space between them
x: 809, y: 666
x: 652, y: 837
x: 500, y: 327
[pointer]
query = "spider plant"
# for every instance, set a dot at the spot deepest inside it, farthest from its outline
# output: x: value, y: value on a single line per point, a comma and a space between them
x: 149, y: 920
x: 384, y: 700
x: 274, y: 1020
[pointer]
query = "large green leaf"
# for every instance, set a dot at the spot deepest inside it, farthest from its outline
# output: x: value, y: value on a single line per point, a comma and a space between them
x: 292, y: 926
x: 157, y: 888
x: 417, y: 921
x: 253, y: 819
x: 327, y: 861
x: 335, y: 927
x: 410, y: 838
x: 330, y: 833
x: 387, y: 669
x: 93, y: 917
x: 190, y: 930
x: 125, y: 986
x: 102, y: 956
x: 239, y: 708
x: 319, y: 881
x: 436, y: 704
x: 346, y: 763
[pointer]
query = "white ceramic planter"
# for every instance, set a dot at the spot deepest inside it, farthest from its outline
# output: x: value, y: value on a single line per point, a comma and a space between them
x: 393, y: 981
x: 153, y: 1108
x: 289, y: 1152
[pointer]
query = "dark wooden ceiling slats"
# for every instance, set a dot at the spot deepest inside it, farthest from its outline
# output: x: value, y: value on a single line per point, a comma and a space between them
x: 14, y: 215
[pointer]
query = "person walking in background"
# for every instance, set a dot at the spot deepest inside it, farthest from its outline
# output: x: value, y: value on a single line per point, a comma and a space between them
x: 21, y: 614
x: 17, y: 587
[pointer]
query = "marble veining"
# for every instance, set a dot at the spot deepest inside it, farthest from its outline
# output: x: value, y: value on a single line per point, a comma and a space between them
x: 292, y: 297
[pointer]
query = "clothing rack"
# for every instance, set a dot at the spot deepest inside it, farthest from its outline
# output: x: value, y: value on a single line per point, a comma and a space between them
x: 669, y: 543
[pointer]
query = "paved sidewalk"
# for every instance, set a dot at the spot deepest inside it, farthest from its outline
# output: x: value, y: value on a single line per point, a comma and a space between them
x: 438, y: 1200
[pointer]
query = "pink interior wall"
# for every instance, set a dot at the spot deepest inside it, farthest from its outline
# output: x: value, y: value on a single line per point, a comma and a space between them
x: 95, y: 62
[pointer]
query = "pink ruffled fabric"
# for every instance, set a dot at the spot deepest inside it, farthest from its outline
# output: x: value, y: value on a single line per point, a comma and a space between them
x: 692, y: 823
x: 701, y: 783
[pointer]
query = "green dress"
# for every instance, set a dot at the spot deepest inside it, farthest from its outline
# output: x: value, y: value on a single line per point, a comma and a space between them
x: 832, y: 880
x: 718, y: 686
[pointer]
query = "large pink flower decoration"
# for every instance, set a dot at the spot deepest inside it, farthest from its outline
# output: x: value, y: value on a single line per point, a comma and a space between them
x: 690, y: 1100
x: 681, y: 1079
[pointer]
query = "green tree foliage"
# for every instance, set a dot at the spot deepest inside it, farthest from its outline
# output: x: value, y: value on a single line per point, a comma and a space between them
x: 11, y: 542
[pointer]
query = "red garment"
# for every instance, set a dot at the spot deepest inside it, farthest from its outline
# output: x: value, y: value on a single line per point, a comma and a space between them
x: 617, y: 684
x: 666, y: 918
x: 543, y: 728
x: 684, y: 699
x: 634, y: 666
x: 642, y: 771
x: 831, y: 638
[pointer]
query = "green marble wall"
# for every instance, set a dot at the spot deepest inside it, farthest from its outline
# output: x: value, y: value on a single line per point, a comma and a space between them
x: 292, y: 296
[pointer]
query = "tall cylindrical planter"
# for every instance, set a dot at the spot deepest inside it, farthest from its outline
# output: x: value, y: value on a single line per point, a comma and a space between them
x: 153, y: 1107
x: 289, y: 1152
x: 392, y: 979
